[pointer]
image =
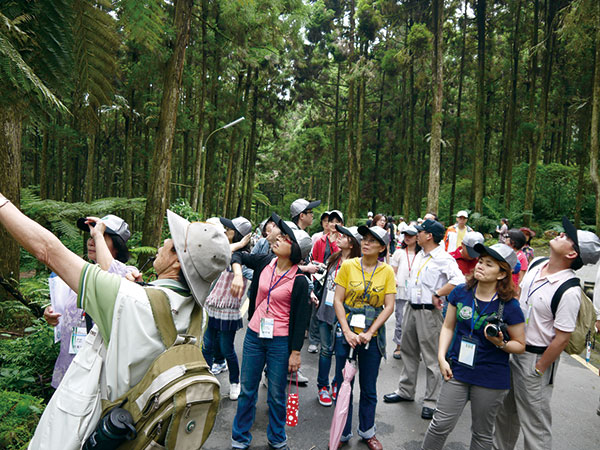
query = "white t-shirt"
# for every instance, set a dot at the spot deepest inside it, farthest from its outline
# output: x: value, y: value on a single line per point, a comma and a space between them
x: 536, y: 299
x: 404, y: 261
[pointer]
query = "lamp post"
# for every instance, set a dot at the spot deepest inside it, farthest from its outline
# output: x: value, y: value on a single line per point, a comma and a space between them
x: 203, y: 173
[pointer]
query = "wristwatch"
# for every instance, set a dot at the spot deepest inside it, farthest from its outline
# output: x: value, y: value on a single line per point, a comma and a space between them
x: 538, y: 372
x: 436, y: 295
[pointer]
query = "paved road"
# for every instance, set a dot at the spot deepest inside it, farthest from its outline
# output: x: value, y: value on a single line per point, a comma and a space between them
x: 399, y: 426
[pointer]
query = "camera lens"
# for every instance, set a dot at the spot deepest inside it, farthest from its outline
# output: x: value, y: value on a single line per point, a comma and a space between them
x: 492, y: 329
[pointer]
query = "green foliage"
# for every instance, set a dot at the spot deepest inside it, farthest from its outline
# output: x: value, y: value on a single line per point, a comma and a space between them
x: 19, y: 415
x: 420, y: 40
x: 143, y: 22
x: 27, y: 363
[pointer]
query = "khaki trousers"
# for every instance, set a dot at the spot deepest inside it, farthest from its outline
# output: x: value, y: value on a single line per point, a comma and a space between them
x: 527, y: 406
x: 420, y: 335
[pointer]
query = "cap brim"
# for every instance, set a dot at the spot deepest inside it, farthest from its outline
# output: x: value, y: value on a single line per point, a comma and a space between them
x: 420, y: 228
x: 312, y: 205
x: 483, y: 250
x: 85, y: 227
x: 571, y: 231
x: 227, y: 223
x: 199, y: 287
x: 285, y: 229
x: 411, y: 232
x: 334, y: 214
x: 344, y: 230
x: 363, y: 230
x: 472, y: 252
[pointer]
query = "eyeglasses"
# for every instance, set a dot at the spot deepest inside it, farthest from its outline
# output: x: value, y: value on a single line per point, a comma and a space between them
x: 284, y: 238
x: 310, y: 211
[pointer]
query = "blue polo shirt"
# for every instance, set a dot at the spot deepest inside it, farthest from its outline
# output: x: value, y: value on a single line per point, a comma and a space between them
x: 491, y: 369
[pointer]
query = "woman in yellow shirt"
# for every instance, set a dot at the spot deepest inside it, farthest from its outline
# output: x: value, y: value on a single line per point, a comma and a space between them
x: 364, y: 299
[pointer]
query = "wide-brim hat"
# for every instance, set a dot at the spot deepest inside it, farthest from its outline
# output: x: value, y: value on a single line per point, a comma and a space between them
x: 382, y: 236
x: 500, y: 252
x: 352, y: 232
x: 203, y: 252
x: 114, y: 225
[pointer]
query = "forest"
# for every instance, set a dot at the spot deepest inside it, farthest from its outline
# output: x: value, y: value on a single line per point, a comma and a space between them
x: 238, y: 107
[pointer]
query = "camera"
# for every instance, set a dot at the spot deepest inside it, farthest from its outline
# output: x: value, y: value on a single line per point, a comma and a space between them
x: 495, y: 325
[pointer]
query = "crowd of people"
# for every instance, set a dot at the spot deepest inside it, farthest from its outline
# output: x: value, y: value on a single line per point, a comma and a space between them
x: 477, y: 316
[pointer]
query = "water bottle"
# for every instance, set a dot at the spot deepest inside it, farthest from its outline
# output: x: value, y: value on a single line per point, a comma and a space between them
x: 113, y: 429
x: 588, y: 351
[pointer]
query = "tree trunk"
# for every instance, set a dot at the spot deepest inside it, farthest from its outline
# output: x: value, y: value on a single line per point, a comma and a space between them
x: 158, y: 192
x: 594, y: 141
x: 10, y: 185
x: 458, y: 129
x: 436, y: 113
x: 549, y: 39
x: 252, y: 151
x: 44, y: 166
x: 510, y: 125
x: 353, y: 168
x: 480, y: 110
x: 89, y: 172
x: 335, y: 169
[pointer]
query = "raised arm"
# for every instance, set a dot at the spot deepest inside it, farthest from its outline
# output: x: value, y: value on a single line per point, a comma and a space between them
x: 42, y: 244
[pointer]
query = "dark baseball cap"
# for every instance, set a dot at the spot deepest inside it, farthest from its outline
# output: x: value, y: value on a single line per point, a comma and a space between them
x: 433, y: 227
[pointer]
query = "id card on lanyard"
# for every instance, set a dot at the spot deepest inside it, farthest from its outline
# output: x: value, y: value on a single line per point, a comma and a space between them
x: 330, y: 293
x: 416, y: 292
x: 469, y: 344
x: 267, y: 324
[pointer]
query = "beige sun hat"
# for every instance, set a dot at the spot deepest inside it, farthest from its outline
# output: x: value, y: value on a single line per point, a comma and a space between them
x: 203, y: 251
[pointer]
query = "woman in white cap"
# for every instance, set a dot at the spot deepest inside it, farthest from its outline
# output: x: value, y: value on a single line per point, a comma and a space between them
x: 223, y: 309
x: 107, y: 246
x: 275, y: 333
x: 348, y: 242
x: 474, y: 347
x: 364, y: 299
x: 402, y: 262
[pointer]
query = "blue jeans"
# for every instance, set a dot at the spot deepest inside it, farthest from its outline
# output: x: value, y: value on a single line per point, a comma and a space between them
x: 368, y: 370
x: 223, y: 340
x: 257, y: 353
x: 326, y: 334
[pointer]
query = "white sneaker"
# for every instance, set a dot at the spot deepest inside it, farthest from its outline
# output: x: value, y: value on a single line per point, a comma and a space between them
x: 301, y: 378
x: 216, y: 368
x: 312, y: 348
x: 234, y: 391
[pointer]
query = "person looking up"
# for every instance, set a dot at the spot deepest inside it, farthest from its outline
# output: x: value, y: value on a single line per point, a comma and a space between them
x: 466, y: 255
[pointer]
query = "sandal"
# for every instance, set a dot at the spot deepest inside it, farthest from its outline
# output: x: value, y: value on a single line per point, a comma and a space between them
x: 397, y: 354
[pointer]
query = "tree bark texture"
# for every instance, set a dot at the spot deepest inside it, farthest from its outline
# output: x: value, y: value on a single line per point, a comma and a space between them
x: 10, y: 184
x: 594, y: 138
x: 480, y: 110
x: 158, y: 192
x: 433, y: 192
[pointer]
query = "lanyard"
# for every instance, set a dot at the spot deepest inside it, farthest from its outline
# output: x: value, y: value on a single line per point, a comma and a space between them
x: 481, y: 313
x: 363, y: 275
x: 272, y: 286
x: 423, y: 265
x: 530, y: 292
x: 410, y: 263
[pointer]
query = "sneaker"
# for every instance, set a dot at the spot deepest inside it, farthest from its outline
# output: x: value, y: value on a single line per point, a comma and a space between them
x: 234, y: 391
x: 217, y: 368
x: 324, y: 397
x: 312, y: 348
x: 301, y: 378
x: 334, y: 391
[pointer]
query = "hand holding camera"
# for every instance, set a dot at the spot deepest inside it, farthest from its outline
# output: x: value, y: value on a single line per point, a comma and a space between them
x: 496, y: 330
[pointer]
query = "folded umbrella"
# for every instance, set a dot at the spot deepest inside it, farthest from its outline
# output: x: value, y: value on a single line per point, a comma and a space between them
x: 342, y: 404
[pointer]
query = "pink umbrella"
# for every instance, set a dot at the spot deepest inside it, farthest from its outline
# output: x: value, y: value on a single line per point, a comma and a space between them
x: 343, y: 403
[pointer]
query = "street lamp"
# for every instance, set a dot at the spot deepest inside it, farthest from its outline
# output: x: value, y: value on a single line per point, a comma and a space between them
x: 203, y: 174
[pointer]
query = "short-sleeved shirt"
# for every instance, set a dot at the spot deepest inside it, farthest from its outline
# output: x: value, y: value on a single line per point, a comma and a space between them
x: 405, y: 262
x: 279, y: 302
x: 536, y: 300
x: 379, y: 283
x: 524, y: 264
x: 491, y: 368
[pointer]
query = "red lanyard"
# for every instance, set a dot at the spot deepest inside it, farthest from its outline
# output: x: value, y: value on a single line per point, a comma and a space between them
x: 408, y: 260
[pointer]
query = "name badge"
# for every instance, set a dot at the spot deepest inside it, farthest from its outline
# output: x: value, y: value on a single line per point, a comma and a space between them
x: 415, y: 294
x: 329, y: 296
x: 267, y: 324
x: 466, y: 355
x: 78, y: 335
x: 358, y: 321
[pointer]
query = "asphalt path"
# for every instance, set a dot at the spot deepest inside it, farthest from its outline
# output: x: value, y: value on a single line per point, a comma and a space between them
x: 399, y: 426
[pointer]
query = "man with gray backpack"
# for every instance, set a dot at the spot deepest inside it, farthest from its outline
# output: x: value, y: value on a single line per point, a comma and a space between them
x: 554, y: 312
x: 140, y: 377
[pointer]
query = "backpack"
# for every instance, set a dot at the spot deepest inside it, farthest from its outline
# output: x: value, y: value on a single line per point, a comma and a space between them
x: 586, y: 317
x: 175, y: 404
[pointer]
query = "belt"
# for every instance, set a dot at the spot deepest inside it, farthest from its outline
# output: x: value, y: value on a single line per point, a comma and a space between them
x: 535, y: 349
x: 427, y: 306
